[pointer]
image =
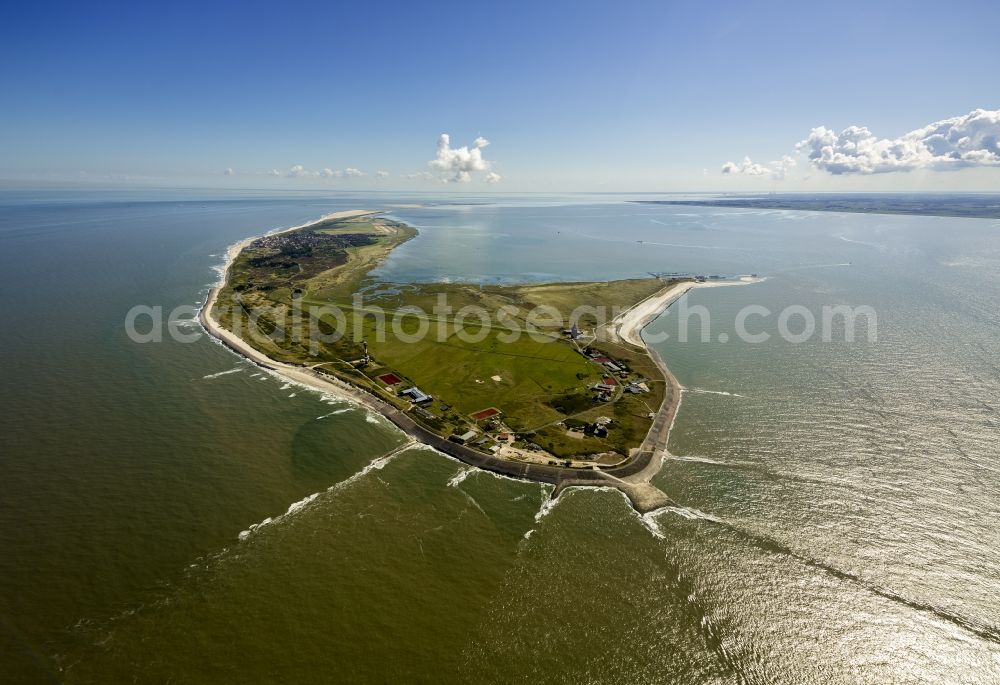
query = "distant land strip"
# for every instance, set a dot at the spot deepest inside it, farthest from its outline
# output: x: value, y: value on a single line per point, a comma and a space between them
x: 967, y: 206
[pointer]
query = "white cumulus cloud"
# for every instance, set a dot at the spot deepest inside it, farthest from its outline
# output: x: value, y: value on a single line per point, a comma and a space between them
x: 493, y: 177
x: 351, y: 172
x: 777, y: 169
x: 381, y: 174
x: 229, y: 172
x: 458, y: 164
x: 963, y: 141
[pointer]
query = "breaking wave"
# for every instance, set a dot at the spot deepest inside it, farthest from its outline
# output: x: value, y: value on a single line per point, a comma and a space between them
x: 292, y: 509
x: 701, y: 460
x: 686, y: 512
x: 335, y: 412
x: 713, y: 392
x: 222, y: 373
x: 462, y: 474
x: 378, y: 463
x: 547, y: 506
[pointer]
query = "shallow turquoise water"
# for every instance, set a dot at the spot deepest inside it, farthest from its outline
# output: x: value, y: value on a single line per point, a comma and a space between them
x: 838, y: 519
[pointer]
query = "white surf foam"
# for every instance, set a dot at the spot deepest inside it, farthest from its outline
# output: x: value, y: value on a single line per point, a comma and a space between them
x: 473, y: 502
x: 649, y: 521
x: 222, y: 373
x: 547, y: 506
x: 376, y: 464
x: 686, y: 512
x: 462, y: 474
x: 712, y: 392
x: 702, y: 460
x: 292, y: 509
x: 335, y: 412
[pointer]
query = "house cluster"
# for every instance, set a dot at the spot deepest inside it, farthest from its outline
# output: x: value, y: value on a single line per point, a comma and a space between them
x: 484, y: 442
x: 616, y: 369
x: 420, y: 411
x: 598, y: 428
x: 605, y: 389
x: 598, y: 357
x: 302, y: 242
x: 464, y: 438
x: 489, y: 434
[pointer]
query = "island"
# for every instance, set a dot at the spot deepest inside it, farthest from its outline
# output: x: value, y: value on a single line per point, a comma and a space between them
x: 549, y: 382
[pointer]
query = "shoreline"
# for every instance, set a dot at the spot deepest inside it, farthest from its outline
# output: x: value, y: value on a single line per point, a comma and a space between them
x: 631, y: 478
x: 627, y: 328
x: 296, y: 374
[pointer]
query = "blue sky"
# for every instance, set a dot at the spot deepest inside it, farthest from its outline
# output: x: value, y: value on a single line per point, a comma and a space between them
x: 572, y: 96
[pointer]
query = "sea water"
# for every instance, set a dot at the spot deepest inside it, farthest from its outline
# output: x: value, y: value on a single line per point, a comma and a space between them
x: 836, y: 502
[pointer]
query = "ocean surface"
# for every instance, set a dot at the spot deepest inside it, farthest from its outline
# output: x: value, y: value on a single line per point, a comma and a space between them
x: 170, y: 513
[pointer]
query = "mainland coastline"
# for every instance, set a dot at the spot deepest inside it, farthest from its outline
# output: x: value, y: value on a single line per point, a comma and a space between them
x: 631, y: 477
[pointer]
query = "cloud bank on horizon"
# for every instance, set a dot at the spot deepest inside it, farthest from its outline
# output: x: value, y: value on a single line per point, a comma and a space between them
x: 959, y: 142
x: 777, y: 169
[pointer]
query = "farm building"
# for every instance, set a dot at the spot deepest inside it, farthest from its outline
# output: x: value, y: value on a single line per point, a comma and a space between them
x: 417, y: 395
x: 463, y: 438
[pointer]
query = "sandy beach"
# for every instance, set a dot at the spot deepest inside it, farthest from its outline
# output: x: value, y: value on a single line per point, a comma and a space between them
x: 628, y: 326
